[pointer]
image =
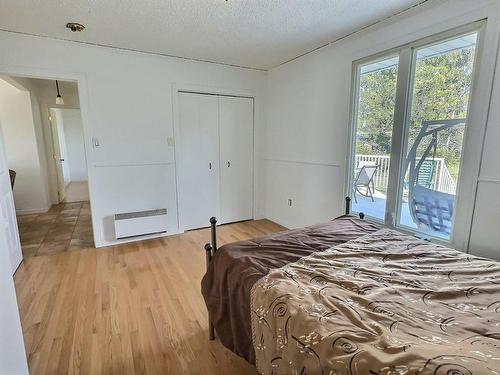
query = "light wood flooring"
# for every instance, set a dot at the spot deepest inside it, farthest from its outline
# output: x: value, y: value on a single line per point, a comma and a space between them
x: 127, y: 309
x: 65, y: 227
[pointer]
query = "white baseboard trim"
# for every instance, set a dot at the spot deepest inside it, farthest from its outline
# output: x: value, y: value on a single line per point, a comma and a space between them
x: 259, y: 216
x: 280, y: 222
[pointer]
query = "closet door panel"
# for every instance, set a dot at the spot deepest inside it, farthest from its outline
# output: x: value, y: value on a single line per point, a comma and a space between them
x: 198, y: 165
x: 236, y: 158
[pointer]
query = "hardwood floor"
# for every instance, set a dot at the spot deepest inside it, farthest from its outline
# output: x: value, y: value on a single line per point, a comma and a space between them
x: 65, y: 227
x: 127, y: 309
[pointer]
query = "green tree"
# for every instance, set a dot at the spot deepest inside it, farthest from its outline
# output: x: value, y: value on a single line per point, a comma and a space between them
x: 440, y: 91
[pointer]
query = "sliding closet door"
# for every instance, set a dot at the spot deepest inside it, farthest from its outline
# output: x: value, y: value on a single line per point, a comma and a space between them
x: 236, y: 158
x: 198, y: 159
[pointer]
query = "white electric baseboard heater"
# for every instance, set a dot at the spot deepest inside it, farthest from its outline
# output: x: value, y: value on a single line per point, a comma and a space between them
x: 133, y: 224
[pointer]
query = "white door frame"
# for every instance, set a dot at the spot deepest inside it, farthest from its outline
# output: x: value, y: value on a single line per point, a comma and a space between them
x: 208, y: 90
x: 81, y: 80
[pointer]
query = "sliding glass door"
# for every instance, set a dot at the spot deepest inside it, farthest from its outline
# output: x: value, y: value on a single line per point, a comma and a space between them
x: 441, y: 84
x: 374, y: 122
x: 409, y: 134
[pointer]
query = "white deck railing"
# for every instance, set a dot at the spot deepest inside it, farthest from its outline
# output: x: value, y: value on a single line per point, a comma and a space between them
x: 442, y: 180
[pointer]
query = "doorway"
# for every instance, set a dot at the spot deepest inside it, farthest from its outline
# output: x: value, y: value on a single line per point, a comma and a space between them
x: 69, y: 155
x: 47, y: 158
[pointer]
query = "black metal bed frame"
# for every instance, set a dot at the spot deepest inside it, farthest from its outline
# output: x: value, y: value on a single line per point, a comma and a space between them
x: 211, y: 248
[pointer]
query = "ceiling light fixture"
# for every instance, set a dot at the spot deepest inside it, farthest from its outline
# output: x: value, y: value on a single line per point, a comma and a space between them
x: 59, y: 99
x: 75, y: 26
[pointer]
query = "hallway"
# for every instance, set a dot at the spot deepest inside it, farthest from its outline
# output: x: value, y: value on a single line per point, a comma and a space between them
x: 77, y: 191
x: 65, y: 227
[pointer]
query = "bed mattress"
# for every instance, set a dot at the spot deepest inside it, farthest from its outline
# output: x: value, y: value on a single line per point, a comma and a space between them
x: 236, y: 267
x: 385, y: 303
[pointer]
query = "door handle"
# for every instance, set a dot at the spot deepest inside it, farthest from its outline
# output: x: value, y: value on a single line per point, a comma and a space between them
x: 209, y: 165
x: 228, y: 164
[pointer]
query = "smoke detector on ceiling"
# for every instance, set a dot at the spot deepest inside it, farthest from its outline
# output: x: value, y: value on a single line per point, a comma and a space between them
x: 75, y: 26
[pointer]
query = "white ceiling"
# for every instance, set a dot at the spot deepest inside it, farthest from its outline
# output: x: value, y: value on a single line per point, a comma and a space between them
x: 252, y: 33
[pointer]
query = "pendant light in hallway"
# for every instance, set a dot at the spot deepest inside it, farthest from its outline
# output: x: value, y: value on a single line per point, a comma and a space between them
x: 59, y: 99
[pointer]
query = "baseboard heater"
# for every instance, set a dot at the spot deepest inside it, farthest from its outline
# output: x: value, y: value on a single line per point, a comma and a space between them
x: 133, y: 224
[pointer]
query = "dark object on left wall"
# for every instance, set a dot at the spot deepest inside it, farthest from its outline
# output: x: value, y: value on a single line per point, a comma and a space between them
x: 12, y: 175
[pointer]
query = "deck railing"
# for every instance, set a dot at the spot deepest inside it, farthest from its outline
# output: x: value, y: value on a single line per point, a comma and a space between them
x: 442, y: 180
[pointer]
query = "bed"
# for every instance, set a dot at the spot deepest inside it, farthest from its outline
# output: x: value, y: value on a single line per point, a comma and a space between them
x: 351, y: 297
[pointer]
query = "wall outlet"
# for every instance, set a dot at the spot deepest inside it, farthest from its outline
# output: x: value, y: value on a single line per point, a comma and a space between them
x: 290, y: 202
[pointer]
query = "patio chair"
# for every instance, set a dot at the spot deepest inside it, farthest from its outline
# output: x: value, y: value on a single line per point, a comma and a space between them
x: 364, y: 179
x: 425, y: 175
x: 365, y: 163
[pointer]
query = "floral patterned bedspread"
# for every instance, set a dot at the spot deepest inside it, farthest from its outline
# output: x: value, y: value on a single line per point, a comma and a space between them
x: 385, y: 303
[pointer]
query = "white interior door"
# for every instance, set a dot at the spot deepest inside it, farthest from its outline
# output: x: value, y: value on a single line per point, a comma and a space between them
x: 59, y: 155
x: 10, y: 231
x: 198, y: 159
x: 236, y: 158
x: 12, y: 353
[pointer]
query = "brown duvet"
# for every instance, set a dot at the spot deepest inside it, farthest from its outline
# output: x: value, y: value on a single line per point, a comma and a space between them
x: 385, y: 303
x: 236, y: 267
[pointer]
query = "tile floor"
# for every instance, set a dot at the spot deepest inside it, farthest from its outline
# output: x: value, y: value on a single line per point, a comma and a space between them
x: 65, y: 227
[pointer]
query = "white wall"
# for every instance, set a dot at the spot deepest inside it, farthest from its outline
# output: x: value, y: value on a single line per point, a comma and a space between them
x: 485, y: 237
x: 126, y: 102
x: 73, y: 133
x: 308, y: 108
x: 42, y: 95
x: 12, y: 353
x: 20, y: 119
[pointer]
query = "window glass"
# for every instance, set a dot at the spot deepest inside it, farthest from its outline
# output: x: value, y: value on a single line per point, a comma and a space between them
x: 377, y: 82
x: 441, y: 85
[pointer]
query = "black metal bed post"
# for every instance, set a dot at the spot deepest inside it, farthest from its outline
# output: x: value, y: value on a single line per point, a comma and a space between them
x: 211, y: 331
x: 347, y: 205
x: 213, y: 221
x: 348, y: 208
x: 210, y: 249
